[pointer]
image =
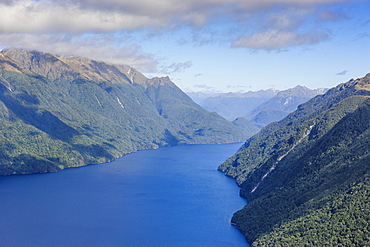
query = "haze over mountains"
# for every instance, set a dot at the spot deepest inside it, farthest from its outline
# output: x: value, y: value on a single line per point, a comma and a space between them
x: 306, y: 177
x: 251, y: 111
x: 59, y: 112
x: 283, y: 103
x: 232, y: 105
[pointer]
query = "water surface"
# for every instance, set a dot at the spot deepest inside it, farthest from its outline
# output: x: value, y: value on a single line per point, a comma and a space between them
x: 165, y: 197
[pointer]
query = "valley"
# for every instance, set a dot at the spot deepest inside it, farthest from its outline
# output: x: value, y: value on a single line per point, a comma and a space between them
x: 251, y: 111
x: 184, y: 123
x: 301, y: 170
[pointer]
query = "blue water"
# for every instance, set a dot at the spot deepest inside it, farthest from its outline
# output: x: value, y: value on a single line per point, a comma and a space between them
x: 165, y: 197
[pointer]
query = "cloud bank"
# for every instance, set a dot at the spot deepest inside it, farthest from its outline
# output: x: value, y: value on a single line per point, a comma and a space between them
x: 81, y: 16
x: 276, y: 39
x: 99, y: 47
x: 102, y: 29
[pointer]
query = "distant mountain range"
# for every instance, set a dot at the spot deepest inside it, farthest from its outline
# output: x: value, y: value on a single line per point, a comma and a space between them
x: 259, y: 107
x: 283, y: 103
x: 64, y: 111
x: 307, y: 177
x: 232, y: 105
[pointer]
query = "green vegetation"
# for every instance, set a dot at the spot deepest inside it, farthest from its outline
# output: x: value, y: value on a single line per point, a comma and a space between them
x: 58, y: 112
x: 268, y: 116
x: 341, y: 219
x: 306, y: 177
x: 245, y: 126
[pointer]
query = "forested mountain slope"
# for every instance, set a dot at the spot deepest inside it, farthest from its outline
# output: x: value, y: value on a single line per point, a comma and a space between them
x: 58, y: 112
x: 246, y: 127
x: 306, y: 177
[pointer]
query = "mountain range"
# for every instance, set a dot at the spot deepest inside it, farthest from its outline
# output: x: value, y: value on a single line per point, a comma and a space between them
x: 279, y: 106
x: 65, y: 111
x: 306, y: 177
x: 260, y: 107
x: 232, y: 105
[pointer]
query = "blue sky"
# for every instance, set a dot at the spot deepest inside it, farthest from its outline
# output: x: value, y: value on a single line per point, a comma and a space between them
x: 209, y: 45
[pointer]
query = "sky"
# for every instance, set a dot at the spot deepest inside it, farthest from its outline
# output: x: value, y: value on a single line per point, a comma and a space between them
x: 203, y: 45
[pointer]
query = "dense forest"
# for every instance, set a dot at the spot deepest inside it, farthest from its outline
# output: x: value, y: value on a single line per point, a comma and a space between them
x: 306, y: 177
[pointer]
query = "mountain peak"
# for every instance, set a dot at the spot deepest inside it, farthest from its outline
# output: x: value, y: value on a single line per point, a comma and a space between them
x: 363, y: 83
x: 354, y: 84
x: 300, y: 91
x: 56, y: 67
x: 159, y: 81
x: 88, y: 111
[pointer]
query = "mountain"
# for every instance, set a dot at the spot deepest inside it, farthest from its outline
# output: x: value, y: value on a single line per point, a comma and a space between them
x: 281, y: 105
x: 260, y: 107
x: 246, y: 127
x: 307, y: 177
x: 232, y: 105
x: 64, y: 111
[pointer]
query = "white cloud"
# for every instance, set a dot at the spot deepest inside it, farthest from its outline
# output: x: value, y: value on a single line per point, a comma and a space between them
x: 27, y: 16
x: 268, y: 40
x: 203, y: 86
x: 238, y: 86
x: 78, y: 27
x: 98, y: 47
x: 276, y: 39
x: 112, y: 15
x: 176, y: 67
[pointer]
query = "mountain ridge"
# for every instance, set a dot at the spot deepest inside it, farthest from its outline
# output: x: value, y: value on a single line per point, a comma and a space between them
x: 233, y: 105
x: 259, y: 107
x: 66, y: 112
x: 280, y: 105
x: 295, y: 173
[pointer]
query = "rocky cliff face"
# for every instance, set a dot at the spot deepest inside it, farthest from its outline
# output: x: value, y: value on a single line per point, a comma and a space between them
x: 58, y: 112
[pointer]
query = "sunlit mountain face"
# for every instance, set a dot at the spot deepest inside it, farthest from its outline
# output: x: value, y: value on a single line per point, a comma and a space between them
x: 60, y: 112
